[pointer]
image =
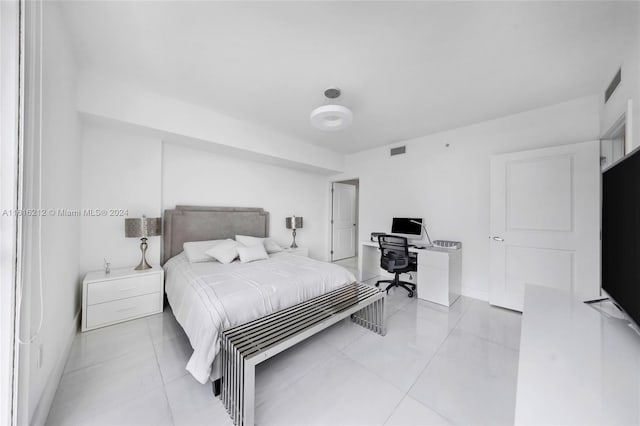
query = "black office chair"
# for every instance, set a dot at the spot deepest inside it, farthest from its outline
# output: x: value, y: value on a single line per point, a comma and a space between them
x: 395, y: 258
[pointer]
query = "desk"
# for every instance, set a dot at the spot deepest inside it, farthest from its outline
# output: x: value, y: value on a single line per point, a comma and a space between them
x: 438, y: 278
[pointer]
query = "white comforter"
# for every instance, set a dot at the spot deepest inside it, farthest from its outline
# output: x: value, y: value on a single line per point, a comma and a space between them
x: 210, y: 297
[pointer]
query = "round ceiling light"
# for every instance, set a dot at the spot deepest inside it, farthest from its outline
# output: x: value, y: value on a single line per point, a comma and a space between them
x: 331, y: 117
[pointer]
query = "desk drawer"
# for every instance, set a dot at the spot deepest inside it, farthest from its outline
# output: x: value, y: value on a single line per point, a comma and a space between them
x: 120, y: 310
x: 107, y: 291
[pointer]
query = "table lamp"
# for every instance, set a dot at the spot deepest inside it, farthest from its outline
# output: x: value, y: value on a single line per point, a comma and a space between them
x: 425, y: 231
x: 142, y: 228
x: 293, y: 223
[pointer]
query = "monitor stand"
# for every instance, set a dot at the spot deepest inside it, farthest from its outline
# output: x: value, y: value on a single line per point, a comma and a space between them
x: 608, y: 308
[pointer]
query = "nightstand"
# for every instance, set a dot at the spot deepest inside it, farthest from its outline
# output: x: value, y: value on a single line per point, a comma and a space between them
x: 298, y: 251
x: 122, y: 295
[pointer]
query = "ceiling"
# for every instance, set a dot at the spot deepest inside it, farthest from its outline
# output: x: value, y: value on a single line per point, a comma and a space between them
x: 406, y: 69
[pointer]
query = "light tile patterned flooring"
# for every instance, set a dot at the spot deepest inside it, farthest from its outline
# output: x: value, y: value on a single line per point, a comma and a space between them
x: 351, y: 263
x: 434, y: 366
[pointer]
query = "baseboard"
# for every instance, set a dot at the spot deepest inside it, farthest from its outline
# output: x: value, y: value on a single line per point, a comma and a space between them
x: 46, y: 399
x: 475, y: 293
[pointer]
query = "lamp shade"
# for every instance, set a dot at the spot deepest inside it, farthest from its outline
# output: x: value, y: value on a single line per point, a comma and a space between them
x: 331, y: 117
x: 142, y: 227
x: 293, y: 222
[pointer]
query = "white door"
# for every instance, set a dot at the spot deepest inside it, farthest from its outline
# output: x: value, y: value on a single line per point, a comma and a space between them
x: 545, y: 222
x: 344, y: 221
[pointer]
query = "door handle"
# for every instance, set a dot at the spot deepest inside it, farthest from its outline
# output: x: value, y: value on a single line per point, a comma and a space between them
x: 497, y: 239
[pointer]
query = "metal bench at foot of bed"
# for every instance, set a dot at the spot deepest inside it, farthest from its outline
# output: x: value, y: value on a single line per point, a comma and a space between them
x: 245, y: 346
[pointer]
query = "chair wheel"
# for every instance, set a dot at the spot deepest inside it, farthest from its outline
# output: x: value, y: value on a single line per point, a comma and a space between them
x: 410, y: 294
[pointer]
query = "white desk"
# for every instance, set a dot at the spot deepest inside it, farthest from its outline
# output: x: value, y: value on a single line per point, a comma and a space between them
x: 576, y: 365
x: 438, y: 278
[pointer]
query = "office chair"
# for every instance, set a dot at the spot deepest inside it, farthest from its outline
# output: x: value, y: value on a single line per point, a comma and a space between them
x: 395, y: 258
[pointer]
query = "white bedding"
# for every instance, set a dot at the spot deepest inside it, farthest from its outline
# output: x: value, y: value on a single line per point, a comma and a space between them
x: 210, y: 297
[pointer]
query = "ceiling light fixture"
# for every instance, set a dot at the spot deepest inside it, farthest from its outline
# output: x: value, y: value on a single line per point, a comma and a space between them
x: 331, y: 117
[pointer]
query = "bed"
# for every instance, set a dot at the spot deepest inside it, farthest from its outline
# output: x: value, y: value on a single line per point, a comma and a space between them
x: 208, y: 298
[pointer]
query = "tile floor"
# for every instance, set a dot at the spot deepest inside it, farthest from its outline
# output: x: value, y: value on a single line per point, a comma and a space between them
x: 351, y: 263
x: 434, y: 366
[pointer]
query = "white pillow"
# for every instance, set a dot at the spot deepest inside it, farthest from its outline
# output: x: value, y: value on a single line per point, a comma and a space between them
x: 249, y: 241
x: 270, y: 245
x: 251, y: 253
x: 225, y: 252
x: 195, y: 250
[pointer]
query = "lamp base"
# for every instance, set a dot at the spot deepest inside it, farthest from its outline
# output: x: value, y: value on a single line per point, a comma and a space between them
x: 143, y: 265
x: 293, y: 244
x: 143, y: 262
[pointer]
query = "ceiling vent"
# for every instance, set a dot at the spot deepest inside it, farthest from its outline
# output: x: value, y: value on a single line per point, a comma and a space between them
x: 613, y: 85
x: 398, y: 150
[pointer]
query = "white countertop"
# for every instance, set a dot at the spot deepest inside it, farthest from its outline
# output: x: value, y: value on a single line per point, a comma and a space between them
x: 577, y: 366
x: 118, y: 273
x: 417, y: 249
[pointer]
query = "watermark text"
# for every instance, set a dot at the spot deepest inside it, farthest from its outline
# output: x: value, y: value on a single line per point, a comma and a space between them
x: 65, y: 212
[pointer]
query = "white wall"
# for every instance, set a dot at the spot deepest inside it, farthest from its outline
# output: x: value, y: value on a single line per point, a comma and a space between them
x: 130, y: 170
x: 449, y: 186
x: 196, y: 177
x: 120, y: 171
x: 60, y: 177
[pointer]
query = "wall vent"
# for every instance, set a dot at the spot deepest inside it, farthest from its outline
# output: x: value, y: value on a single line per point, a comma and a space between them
x: 613, y: 85
x: 398, y: 150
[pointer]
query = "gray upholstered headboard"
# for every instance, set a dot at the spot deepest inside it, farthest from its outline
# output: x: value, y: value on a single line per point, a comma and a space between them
x: 195, y: 223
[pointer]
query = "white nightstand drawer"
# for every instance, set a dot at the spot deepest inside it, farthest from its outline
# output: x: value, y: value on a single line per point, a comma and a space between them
x: 106, y: 291
x: 298, y: 251
x: 119, y: 310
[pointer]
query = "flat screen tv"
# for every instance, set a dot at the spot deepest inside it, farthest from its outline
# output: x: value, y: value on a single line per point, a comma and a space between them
x: 620, y: 245
x: 403, y: 225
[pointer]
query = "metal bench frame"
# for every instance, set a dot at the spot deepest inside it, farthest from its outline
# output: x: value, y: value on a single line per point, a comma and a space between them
x: 245, y: 346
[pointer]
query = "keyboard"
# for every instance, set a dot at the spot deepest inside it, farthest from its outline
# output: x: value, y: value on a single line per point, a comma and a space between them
x: 415, y: 246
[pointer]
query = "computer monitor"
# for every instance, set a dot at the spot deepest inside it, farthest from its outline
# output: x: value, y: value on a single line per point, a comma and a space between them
x: 404, y: 227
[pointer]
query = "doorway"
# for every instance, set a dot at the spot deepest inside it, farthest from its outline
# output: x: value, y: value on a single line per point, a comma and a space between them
x: 613, y: 143
x: 344, y: 222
